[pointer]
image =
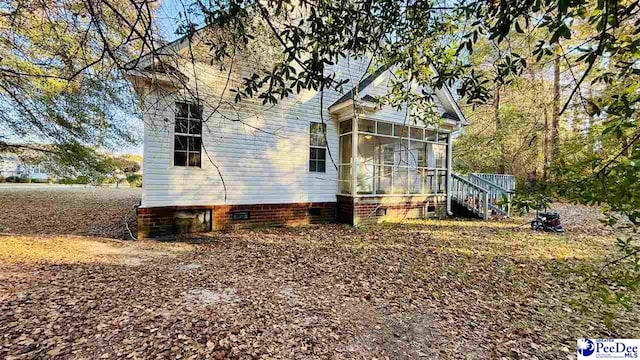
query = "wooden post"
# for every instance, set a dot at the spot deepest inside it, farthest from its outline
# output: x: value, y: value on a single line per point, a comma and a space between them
x: 449, y: 170
x: 485, y: 214
x: 354, y: 155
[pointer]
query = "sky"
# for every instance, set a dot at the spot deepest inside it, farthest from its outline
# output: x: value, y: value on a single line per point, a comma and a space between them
x: 167, y: 19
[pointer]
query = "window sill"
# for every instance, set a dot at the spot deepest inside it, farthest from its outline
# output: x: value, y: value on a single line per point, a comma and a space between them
x: 186, y: 168
x: 391, y: 195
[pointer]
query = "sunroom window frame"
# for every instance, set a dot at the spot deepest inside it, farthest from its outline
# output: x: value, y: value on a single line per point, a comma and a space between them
x: 440, y: 174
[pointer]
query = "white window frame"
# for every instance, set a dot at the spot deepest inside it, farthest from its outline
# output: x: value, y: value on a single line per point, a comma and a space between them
x: 175, y: 133
x: 311, y: 146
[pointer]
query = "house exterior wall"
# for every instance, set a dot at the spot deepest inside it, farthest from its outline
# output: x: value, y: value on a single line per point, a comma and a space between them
x: 376, y: 209
x: 253, y: 155
x: 262, y: 158
x: 260, y: 152
x: 11, y: 165
x: 344, y: 209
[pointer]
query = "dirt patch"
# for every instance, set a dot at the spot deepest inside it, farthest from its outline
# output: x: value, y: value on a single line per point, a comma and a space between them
x: 209, y: 297
x: 289, y: 294
x: 574, y: 217
x: 581, y: 218
x: 188, y: 267
x: 413, y: 336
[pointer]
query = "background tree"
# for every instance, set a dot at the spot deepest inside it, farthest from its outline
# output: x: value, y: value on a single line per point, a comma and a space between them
x: 119, y: 168
x: 60, y: 71
x: 507, y: 135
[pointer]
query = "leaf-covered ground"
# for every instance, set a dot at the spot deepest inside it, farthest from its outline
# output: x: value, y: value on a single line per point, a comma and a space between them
x: 426, y: 289
x: 62, y: 210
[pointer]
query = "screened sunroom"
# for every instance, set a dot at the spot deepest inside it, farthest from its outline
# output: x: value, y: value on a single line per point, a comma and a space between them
x: 379, y: 158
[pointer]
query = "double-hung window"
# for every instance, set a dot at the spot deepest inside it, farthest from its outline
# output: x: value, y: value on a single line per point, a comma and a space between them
x: 187, y: 150
x: 318, y: 147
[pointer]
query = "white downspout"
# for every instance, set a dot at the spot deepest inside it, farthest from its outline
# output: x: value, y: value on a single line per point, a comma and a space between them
x: 449, y: 169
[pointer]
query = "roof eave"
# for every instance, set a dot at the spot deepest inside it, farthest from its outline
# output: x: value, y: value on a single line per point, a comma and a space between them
x: 145, y: 78
x: 349, y: 104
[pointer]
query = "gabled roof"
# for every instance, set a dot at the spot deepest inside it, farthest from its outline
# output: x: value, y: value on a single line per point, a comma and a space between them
x: 166, y: 49
x: 361, y: 85
x: 150, y: 61
x: 443, y: 94
x: 446, y: 115
x: 153, y: 67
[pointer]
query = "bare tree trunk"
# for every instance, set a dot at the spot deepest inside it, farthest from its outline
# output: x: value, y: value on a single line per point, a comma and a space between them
x: 555, y: 121
x: 576, y: 123
x: 589, y: 116
x: 540, y: 104
x: 545, y: 145
x: 499, y: 130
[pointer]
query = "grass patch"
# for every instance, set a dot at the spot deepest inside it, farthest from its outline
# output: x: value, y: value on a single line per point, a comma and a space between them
x: 77, y: 249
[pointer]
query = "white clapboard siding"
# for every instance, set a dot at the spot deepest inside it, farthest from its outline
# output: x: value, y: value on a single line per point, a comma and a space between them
x: 262, y: 158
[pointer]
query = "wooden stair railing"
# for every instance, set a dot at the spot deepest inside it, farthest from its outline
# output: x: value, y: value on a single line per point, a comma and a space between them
x: 505, y: 181
x: 499, y: 196
x: 472, y: 196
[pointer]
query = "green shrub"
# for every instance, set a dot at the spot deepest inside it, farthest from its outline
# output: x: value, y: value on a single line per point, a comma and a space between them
x: 17, y: 179
x: 40, y: 181
x: 1, y: 179
x: 135, y: 180
x: 81, y: 180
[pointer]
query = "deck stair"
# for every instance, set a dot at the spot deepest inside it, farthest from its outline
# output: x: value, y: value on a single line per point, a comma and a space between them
x: 482, y: 195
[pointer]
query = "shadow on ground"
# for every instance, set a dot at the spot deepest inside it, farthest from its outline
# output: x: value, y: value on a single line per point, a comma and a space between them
x: 402, y: 291
x: 424, y: 289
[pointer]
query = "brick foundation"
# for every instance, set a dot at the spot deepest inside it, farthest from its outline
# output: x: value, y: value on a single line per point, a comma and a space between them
x: 345, y: 209
x: 154, y: 222
x: 369, y: 210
